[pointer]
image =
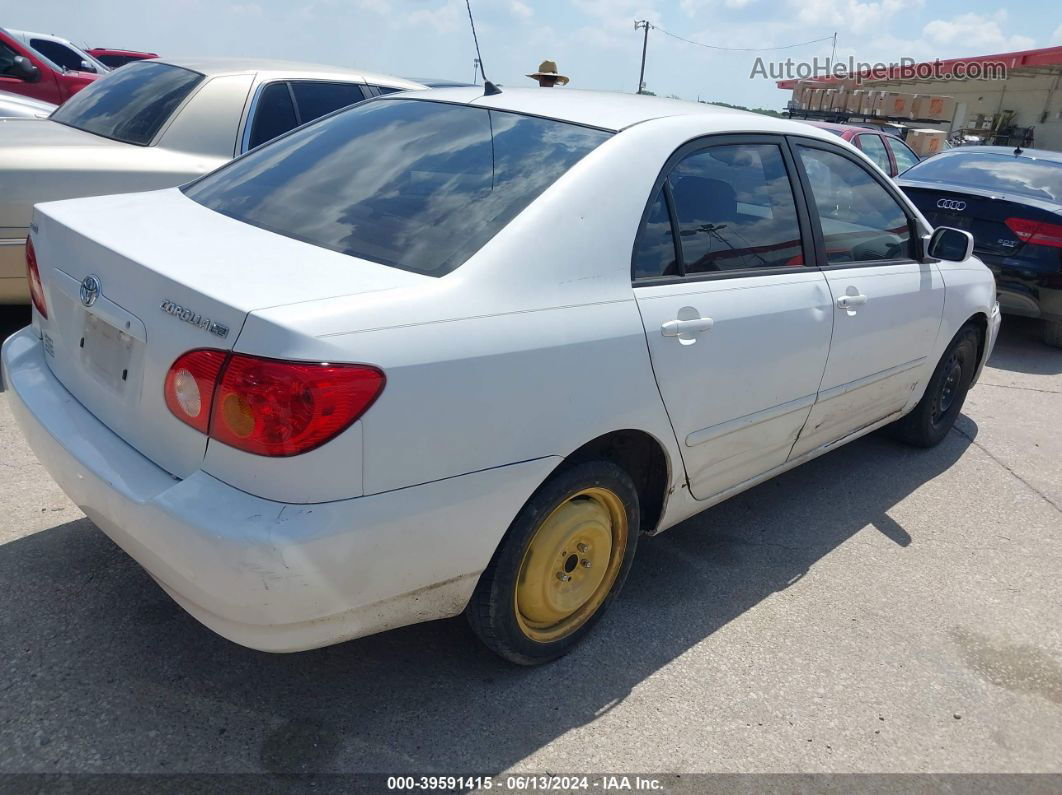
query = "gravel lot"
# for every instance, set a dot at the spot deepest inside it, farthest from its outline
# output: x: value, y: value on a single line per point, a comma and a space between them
x: 880, y: 609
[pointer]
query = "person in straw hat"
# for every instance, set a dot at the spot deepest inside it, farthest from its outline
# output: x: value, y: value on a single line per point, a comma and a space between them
x: 547, y: 76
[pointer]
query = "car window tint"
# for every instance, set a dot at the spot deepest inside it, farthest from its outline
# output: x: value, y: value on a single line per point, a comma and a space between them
x: 413, y: 184
x: 874, y: 148
x: 130, y: 105
x: 58, y: 54
x: 861, y: 221
x: 274, y: 114
x: 655, y: 253
x: 905, y: 158
x: 735, y: 209
x: 317, y: 99
x: 7, y: 61
x: 994, y: 170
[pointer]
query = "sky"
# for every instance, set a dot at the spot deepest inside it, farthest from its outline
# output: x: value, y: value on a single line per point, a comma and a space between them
x: 593, y: 41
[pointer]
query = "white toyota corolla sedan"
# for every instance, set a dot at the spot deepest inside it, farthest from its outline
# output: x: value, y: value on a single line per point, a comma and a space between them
x: 449, y: 352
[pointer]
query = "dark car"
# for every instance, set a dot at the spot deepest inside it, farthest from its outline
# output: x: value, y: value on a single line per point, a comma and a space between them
x: 890, y: 154
x: 1010, y: 200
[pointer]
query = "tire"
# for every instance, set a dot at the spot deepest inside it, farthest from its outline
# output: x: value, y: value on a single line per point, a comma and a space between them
x: 1052, y: 332
x: 523, y: 608
x: 929, y: 421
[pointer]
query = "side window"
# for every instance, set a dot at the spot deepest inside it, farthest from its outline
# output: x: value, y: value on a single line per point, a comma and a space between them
x: 273, y: 115
x: 874, y: 148
x: 317, y: 99
x: 861, y: 221
x: 905, y: 158
x: 735, y: 209
x: 58, y: 54
x: 381, y: 90
x: 7, y: 61
x: 655, y: 253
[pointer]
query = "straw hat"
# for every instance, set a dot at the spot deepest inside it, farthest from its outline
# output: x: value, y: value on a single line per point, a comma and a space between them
x: 549, y: 69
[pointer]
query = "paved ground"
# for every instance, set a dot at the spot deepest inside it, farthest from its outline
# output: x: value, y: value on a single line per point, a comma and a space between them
x: 880, y: 609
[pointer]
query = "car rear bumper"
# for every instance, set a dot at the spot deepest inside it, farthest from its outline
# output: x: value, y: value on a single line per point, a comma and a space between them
x: 268, y: 575
x: 14, y: 289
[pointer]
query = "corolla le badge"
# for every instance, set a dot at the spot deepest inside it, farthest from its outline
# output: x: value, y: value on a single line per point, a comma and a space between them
x: 90, y: 289
x: 193, y: 317
x: 951, y: 204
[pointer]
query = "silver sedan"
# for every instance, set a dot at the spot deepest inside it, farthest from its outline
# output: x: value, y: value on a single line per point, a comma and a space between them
x: 20, y: 107
x: 157, y: 124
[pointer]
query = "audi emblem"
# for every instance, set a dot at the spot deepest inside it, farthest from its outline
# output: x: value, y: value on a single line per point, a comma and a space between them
x: 951, y: 204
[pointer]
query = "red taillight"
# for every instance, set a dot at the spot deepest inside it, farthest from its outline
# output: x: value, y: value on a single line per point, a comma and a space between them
x: 190, y: 385
x: 267, y: 406
x: 33, y: 273
x: 1036, y: 233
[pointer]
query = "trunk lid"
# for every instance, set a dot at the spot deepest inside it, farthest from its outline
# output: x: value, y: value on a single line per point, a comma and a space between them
x: 172, y: 276
x: 981, y: 213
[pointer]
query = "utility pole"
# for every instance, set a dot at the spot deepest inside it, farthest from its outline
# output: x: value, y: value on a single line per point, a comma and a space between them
x: 833, y: 54
x: 642, y: 24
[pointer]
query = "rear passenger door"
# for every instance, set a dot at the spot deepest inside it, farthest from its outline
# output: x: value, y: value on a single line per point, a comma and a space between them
x: 738, y: 327
x: 887, y: 305
x: 283, y: 105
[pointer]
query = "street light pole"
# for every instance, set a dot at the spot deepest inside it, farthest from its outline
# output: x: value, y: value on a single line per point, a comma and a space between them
x: 642, y: 24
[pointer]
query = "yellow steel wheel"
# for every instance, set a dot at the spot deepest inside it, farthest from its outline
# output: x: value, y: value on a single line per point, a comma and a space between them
x: 571, y: 564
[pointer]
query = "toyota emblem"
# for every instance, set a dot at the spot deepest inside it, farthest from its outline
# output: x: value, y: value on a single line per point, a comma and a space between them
x: 951, y: 204
x: 90, y: 289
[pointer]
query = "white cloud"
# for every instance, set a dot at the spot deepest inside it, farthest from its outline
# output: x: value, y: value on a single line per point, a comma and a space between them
x: 851, y: 15
x: 443, y: 19
x: 520, y: 9
x: 976, y: 31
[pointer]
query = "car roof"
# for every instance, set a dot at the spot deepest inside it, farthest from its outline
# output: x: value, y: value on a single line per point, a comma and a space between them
x: 612, y: 110
x: 265, y: 67
x: 1030, y: 154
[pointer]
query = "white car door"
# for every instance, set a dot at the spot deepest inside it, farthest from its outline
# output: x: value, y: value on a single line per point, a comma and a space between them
x: 738, y: 328
x: 887, y: 304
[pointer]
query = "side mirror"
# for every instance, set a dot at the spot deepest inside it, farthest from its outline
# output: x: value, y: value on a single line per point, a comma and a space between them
x: 26, y: 70
x: 952, y: 245
x: 87, y: 67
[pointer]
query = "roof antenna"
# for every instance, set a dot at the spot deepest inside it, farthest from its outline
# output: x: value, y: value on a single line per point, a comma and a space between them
x: 1017, y: 150
x: 489, y: 89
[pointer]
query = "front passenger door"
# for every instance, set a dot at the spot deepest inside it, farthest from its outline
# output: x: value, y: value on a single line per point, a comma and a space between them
x: 887, y: 306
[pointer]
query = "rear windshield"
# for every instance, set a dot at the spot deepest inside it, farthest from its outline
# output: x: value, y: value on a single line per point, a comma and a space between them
x: 1041, y: 179
x: 129, y: 105
x: 413, y: 184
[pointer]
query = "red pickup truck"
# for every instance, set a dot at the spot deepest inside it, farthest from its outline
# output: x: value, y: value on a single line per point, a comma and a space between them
x: 25, y: 71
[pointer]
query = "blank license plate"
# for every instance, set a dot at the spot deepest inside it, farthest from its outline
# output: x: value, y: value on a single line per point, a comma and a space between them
x: 106, y: 351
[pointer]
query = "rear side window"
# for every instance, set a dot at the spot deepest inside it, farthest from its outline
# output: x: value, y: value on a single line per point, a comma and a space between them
x: 58, y: 54
x: 316, y: 99
x: 130, y: 105
x: 274, y: 114
x: 413, y: 184
x: 861, y: 221
x: 655, y: 252
x: 905, y: 158
x: 874, y: 148
x: 735, y: 210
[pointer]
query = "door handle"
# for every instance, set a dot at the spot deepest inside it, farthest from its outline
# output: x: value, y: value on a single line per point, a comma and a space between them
x: 848, y: 301
x: 673, y: 328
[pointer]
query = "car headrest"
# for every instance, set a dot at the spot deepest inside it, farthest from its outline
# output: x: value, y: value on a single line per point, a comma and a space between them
x: 702, y: 199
